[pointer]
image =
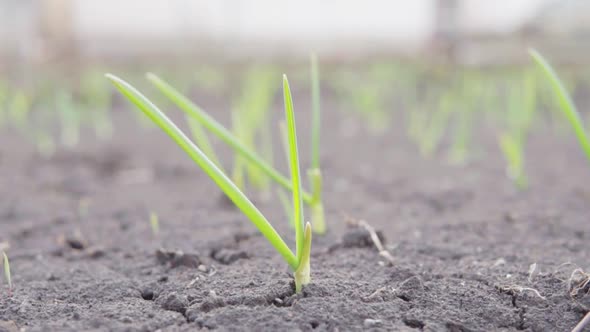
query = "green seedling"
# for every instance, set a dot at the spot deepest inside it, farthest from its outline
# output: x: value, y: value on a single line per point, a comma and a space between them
x: 96, y: 98
x: 154, y: 224
x: 298, y: 261
x: 7, y: 274
x: 460, y: 145
x: 70, y: 119
x: 521, y: 110
x: 428, y: 129
x: 513, y: 153
x: 234, y: 142
x: 20, y: 107
x: 3, y: 101
x: 565, y: 102
x: 251, y: 111
x: 314, y: 174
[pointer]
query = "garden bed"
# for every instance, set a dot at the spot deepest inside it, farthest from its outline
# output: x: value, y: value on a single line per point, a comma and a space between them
x: 470, y: 251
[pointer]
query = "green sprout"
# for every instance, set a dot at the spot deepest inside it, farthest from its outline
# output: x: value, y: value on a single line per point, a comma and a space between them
x: 252, y: 114
x: 70, y: 119
x: 7, y: 274
x: 298, y: 261
x: 97, y: 99
x: 461, y: 141
x: 513, y: 152
x: 565, y: 102
x: 154, y: 224
x: 20, y: 107
x: 314, y: 174
x: 521, y: 110
x: 248, y: 155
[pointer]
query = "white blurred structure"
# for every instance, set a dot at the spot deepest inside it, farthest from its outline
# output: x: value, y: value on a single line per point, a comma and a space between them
x: 238, y: 28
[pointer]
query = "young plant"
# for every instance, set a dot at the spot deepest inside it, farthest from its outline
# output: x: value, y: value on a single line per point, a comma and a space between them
x: 70, y: 119
x: 298, y: 261
x: 251, y: 113
x: 96, y: 98
x: 154, y: 224
x: 20, y: 108
x: 248, y: 155
x: 314, y: 174
x: 461, y: 142
x: 521, y: 109
x: 7, y: 274
x: 565, y: 102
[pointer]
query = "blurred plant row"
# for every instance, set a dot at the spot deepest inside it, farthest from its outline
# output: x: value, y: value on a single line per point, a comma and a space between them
x: 441, y: 107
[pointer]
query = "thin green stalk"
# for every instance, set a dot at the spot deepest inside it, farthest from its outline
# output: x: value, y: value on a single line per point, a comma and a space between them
x: 70, y: 119
x: 302, y: 275
x: 294, y: 168
x: 220, y: 131
x: 565, y: 101
x: 155, y: 224
x: 513, y: 152
x: 224, y: 183
x: 302, y: 232
x: 7, y: 274
x: 314, y: 174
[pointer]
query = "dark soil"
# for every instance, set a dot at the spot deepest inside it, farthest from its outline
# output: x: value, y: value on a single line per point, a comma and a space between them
x: 463, y: 238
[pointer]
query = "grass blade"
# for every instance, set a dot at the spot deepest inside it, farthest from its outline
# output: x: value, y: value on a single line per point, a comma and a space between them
x: 565, y: 101
x: 224, y: 183
x: 302, y: 275
x: 220, y: 131
x: 7, y: 273
x: 294, y: 167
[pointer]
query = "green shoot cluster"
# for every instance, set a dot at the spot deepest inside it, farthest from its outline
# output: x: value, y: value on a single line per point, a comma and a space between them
x: 247, y: 155
x: 298, y: 261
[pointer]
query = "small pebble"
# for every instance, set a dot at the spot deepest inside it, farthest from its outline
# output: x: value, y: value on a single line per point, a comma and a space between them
x: 174, y: 302
x: 227, y: 256
x: 369, y: 323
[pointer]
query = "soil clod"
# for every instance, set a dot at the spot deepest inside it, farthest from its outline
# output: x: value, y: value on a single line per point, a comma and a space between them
x: 8, y: 326
x: 74, y: 242
x: 173, y: 302
x: 372, y: 323
x: 359, y: 237
x: 410, y: 288
x: 228, y: 256
x: 177, y: 258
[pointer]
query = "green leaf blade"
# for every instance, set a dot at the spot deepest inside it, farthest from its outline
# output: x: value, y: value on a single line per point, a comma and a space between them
x: 224, y: 183
x: 565, y: 102
x: 220, y: 131
x: 294, y: 167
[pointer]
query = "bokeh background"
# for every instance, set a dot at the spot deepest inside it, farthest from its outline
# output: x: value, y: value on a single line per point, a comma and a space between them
x: 466, y: 31
x: 453, y: 62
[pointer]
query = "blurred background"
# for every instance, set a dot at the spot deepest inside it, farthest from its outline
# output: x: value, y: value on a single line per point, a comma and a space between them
x: 443, y: 66
x: 465, y: 31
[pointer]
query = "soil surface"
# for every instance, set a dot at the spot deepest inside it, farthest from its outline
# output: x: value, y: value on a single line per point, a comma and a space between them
x: 471, y: 252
